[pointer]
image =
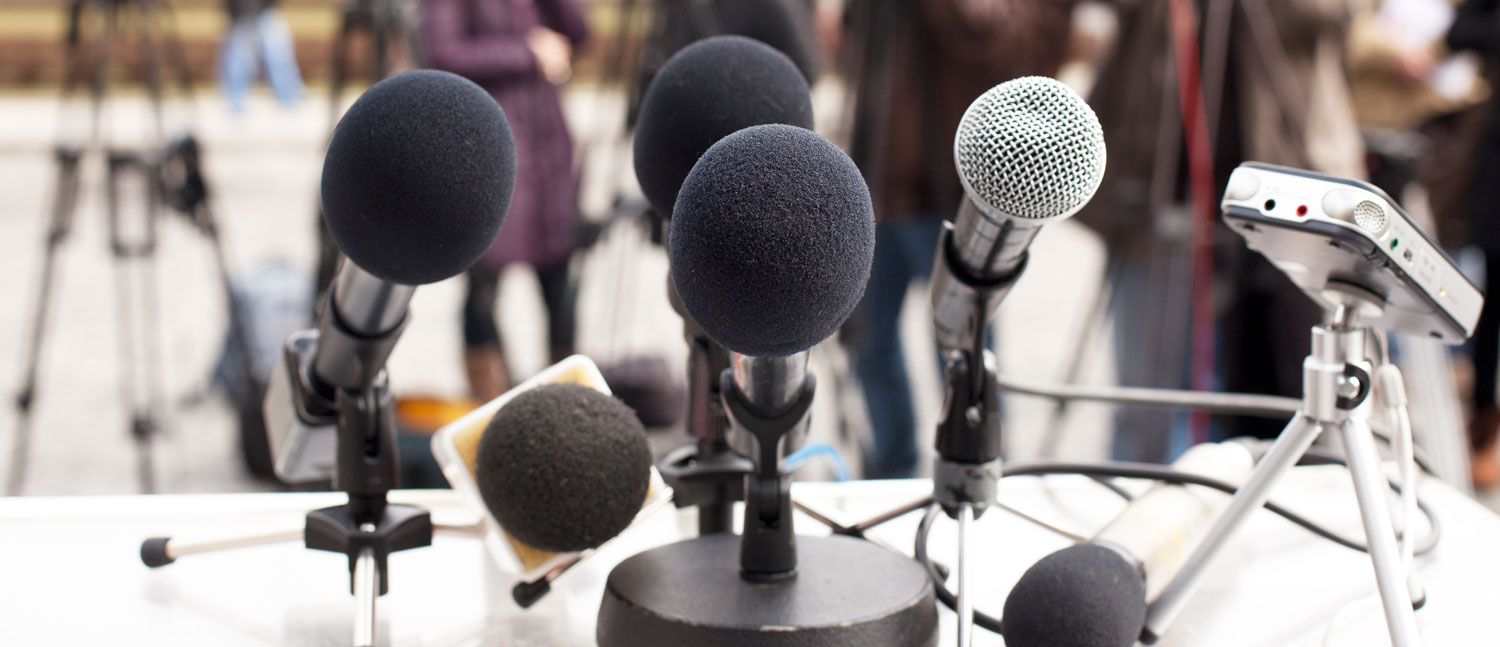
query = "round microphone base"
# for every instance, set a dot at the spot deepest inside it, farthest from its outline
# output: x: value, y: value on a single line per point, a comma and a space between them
x: 847, y: 593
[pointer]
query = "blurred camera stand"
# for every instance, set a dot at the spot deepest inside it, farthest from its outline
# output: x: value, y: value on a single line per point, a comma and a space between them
x: 168, y: 173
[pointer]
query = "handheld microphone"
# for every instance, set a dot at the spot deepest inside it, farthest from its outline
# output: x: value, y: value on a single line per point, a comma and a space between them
x: 416, y: 182
x: 707, y: 91
x: 563, y: 467
x: 1028, y: 151
x: 1096, y: 594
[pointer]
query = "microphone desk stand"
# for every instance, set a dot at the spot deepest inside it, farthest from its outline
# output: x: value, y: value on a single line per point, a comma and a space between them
x: 1338, y: 378
x: 368, y: 528
x: 751, y: 590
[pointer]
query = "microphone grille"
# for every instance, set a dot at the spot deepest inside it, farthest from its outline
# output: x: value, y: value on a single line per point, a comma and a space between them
x: 1030, y: 148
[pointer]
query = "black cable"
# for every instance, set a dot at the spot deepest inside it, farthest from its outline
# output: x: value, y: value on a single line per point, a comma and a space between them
x: 1153, y: 472
x: 1146, y: 471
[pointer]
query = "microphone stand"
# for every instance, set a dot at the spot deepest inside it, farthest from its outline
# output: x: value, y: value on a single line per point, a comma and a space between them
x: 967, y: 471
x: 753, y: 590
x: 1338, y: 376
x: 367, y: 528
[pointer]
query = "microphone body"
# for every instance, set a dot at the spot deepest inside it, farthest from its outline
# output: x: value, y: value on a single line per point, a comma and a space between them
x: 358, y: 327
x: 979, y: 258
x: 415, y: 185
x: 1097, y: 593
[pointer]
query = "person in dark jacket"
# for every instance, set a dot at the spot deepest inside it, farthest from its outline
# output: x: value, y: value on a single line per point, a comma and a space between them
x: 917, y: 66
x: 518, y: 50
x: 1477, y: 28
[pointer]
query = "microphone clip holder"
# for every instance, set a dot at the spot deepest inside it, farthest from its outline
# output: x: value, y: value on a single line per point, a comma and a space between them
x: 768, y: 549
x: 707, y: 474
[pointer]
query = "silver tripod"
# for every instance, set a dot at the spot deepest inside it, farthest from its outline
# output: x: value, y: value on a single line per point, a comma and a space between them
x: 1338, y: 378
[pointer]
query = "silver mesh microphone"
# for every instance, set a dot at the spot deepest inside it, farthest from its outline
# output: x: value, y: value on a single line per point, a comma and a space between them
x: 1028, y: 151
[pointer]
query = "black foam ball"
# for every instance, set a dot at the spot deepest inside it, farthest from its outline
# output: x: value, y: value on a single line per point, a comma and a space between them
x: 772, y: 240
x: 418, y: 177
x: 563, y: 467
x: 1081, y: 596
x: 705, y: 92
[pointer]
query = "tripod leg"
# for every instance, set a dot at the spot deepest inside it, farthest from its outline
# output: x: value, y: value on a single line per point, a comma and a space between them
x: 366, y: 591
x: 64, y: 204
x: 160, y: 551
x: 1392, y: 390
x: 1289, y: 447
x: 1369, y: 488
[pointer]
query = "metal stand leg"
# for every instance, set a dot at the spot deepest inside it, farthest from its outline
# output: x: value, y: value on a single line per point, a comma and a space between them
x: 1289, y: 447
x: 1337, y: 381
x: 965, y: 575
x: 1369, y: 488
x: 1391, y: 389
x: 366, y: 578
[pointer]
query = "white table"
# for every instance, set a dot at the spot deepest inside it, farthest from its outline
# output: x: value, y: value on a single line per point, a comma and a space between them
x: 72, y: 575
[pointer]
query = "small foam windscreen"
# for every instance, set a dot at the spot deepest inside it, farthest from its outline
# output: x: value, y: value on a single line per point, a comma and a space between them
x: 705, y: 92
x: 1081, y: 596
x: 772, y: 240
x: 418, y: 177
x: 563, y: 467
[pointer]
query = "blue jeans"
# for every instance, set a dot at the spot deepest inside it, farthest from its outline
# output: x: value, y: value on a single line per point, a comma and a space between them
x: 904, y: 253
x: 262, y: 37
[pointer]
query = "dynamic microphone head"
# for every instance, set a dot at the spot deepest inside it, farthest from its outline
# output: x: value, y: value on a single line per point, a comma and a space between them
x: 1081, y: 596
x: 563, y: 467
x: 1030, y: 148
x: 772, y: 240
x: 705, y: 92
x: 418, y: 177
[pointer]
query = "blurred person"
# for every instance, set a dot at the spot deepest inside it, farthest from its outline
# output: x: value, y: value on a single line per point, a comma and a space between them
x: 520, y: 51
x: 916, y: 66
x: 1263, y: 332
x: 1141, y: 210
x: 1477, y: 28
x: 258, y: 32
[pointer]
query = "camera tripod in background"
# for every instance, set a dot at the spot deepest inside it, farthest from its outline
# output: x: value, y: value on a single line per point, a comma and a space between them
x: 168, y: 174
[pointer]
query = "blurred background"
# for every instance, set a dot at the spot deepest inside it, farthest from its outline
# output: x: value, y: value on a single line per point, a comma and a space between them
x: 157, y: 157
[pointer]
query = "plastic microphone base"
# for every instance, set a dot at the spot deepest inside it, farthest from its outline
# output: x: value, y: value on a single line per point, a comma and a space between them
x: 847, y: 593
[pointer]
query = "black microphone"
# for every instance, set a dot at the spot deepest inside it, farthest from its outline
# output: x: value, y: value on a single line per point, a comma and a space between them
x: 1096, y: 594
x: 563, y: 467
x: 416, y: 182
x: 706, y: 91
x: 771, y: 244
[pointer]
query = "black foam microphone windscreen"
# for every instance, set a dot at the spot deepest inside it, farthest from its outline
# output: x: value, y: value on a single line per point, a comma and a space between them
x: 418, y: 177
x: 563, y: 467
x: 772, y: 240
x: 705, y: 92
x: 1081, y: 596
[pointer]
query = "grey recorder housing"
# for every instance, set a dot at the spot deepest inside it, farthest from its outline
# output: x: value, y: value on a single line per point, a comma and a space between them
x: 1332, y: 235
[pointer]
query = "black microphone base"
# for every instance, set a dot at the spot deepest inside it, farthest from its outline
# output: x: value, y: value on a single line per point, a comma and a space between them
x: 847, y: 592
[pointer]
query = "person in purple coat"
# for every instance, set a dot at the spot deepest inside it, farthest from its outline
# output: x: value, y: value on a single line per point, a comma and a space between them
x: 520, y: 51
